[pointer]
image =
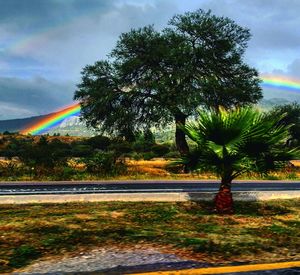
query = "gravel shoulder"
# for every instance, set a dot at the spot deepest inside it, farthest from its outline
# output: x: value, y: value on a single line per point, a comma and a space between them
x: 111, y: 261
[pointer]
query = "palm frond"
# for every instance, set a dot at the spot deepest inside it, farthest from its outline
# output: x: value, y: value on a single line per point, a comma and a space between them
x: 241, y: 140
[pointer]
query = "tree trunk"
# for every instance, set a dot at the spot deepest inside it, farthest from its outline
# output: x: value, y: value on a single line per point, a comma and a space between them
x: 181, y: 143
x: 223, y: 200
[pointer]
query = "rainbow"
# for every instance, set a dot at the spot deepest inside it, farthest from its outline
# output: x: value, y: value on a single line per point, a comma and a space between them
x: 53, y: 120
x: 281, y: 82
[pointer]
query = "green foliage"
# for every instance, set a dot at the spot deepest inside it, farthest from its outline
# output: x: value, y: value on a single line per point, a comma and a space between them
x: 149, y: 136
x: 234, y: 142
x: 105, y: 163
x: 136, y: 156
x: 290, y: 115
x: 141, y: 146
x: 99, y: 142
x: 63, y: 173
x: 154, y: 78
x: 120, y: 147
x: 172, y: 154
x: 81, y: 150
x: 148, y: 155
x: 23, y: 255
x: 44, y: 154
x: 160, y: 150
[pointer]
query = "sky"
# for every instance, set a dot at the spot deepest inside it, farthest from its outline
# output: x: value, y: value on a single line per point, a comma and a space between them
x: 44, y: 44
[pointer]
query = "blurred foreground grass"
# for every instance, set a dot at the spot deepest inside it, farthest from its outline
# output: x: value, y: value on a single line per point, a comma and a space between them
x: 262, y: 231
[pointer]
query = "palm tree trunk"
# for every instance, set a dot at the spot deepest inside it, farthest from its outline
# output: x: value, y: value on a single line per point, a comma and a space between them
x: 223, y: 200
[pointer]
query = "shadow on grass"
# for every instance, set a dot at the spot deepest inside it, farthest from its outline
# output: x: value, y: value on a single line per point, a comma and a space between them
x: 261, y: 208
x: 23, y: 255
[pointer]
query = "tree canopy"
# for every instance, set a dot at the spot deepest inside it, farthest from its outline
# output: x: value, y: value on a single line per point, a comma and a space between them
x: 290, y: 115
x: 155, y: 77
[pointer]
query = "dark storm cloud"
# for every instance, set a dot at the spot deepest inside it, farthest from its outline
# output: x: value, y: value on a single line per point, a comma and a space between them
x: 68, y: 34
x: 35, y: 96
x: 80, y: 40
x: 30, y: 14
x: 84, y: 31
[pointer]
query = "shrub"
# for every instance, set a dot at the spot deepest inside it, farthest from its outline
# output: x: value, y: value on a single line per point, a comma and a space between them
x: 63, y: 173
x: 120, y: 147
x: 141, y: 146
x: 81, y: 150
x: 99, y: 142
x: 148, y: 155
x: 136, y: 156
x: 160, y: 149
x: 172, y: 155
x: 105, y: 163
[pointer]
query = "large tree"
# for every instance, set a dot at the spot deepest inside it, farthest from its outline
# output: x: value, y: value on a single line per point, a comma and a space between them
x: 154, y: 78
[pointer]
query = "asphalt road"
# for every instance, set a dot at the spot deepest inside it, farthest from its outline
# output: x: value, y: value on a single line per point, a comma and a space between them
x: 21, y: 188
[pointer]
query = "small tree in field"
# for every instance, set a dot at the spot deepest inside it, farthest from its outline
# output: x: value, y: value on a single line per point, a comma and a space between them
x: 234, y: 142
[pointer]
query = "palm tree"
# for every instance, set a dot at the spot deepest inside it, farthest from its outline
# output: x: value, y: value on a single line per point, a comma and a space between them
x: 234, y: 142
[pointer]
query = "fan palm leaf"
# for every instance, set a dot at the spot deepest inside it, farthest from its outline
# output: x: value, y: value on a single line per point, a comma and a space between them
x: 233, y: 142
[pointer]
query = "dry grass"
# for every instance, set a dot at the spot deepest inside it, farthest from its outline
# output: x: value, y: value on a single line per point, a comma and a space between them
x: 265, y: 231
x: 147, y: 169
x: 158, y: 169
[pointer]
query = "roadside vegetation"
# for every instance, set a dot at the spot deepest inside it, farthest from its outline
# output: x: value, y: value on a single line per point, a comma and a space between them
x: 74, y: 158
x: 258, y: 232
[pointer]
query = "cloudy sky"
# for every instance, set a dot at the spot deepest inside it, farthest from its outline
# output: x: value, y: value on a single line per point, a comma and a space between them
x: 45, y: 43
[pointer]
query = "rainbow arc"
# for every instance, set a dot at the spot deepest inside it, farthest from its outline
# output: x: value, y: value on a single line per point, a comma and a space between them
x: 281, y: 82
x: 51, y: 121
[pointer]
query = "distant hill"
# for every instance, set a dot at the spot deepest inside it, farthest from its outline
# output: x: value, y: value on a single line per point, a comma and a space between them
x: 15, y: 125
x: 74, y: 127
x: 267, y: 104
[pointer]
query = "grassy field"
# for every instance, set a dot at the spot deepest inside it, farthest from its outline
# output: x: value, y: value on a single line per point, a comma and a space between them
x: 264, y: 231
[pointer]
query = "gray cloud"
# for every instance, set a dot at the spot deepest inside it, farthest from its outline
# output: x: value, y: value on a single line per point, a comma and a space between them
x: 78, y: 41
x: 28, y: 14
x: 68, y: 34
x: 32, y: 96
x: 294, y: 68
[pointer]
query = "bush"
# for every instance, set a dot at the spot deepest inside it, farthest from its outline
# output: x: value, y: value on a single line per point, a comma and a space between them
x: 136, y: 156
x: 99, y: 142
x: 63, y: 173
x: 148, y: 155
x: 81, y: 150
x: 105, y: 163
x: 10, y: 168
x: 172, y: 155
x: 141, y: 146
x: 160, y: 149
x: 120, y: 147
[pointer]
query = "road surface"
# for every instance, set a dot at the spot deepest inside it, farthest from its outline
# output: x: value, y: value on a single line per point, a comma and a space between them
x: 134, y: 186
